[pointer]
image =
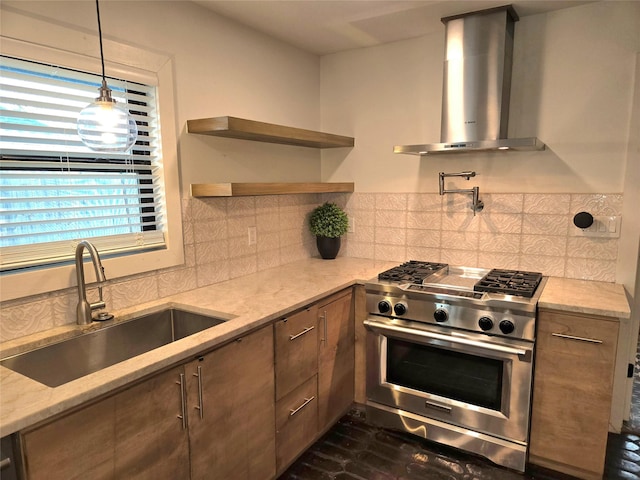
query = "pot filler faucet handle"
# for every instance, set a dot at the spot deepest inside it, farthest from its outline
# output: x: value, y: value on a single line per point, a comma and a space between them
x: 477, y: 204
x: 84, y: 309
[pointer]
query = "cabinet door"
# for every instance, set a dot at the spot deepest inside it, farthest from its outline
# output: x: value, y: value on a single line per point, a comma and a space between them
x: 231, y: 410
x: 573, y: 381
x: 151, y: 439
x: 134, y: 434
x: 79, y: 445
x: 336, y: 359
x: 296, y: 350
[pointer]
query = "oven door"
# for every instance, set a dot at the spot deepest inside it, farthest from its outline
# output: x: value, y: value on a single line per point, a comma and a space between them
x: 475, y: 381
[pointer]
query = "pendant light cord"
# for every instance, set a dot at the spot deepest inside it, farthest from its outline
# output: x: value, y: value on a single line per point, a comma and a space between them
x: 105, y: 91
x: 100, y: 36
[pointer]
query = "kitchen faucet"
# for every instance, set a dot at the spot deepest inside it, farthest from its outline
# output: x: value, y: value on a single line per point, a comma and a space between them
x: 83, y: 311
x: 476, y: 204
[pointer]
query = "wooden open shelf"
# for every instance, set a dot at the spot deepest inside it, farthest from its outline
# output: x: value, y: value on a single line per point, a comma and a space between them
x: 244, y: 189
x: 266, y: 132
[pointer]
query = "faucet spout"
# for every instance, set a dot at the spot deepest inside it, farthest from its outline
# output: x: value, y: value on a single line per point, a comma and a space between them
x: 83, y: 311
x: 477, y: 205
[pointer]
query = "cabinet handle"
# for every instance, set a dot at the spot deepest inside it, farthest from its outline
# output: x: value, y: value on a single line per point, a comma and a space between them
x: 307, y: 401
x: 306, y: 330
x: 200, y: 405
x: 324, y: 321
x: 5, y: 463
x: 183, y: 417
x: 580, y: 339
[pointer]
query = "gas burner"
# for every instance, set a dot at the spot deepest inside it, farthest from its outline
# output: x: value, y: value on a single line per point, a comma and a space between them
x: 509, y: 282
x: 412, y: 271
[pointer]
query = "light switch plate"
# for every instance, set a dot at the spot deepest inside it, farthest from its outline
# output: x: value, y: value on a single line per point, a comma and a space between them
x: 604, y: 226
x: 251, y: 233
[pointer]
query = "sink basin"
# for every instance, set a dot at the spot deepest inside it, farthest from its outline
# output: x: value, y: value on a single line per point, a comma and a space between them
x: 62, y: 362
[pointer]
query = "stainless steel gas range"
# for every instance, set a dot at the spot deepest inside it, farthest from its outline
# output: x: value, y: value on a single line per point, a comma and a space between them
x: 450, y: 355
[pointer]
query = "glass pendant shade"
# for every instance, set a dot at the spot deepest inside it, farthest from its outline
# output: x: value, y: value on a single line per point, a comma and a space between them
x: 105, y: 126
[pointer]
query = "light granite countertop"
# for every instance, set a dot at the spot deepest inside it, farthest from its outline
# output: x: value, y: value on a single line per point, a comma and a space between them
x: 583, y: 296
x: 253, y: 300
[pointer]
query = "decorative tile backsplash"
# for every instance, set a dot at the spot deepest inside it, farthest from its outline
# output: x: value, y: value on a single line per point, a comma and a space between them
x: 515, y: 231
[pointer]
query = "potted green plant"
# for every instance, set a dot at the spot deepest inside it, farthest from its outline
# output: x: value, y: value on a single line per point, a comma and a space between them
x: 328, y: 222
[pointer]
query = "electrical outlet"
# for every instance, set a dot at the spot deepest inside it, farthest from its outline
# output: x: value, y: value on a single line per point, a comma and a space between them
x: 603, y: 226
x: 251, y: 233
x: 352, y: 226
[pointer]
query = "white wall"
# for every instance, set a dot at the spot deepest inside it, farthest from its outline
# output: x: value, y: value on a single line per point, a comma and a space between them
x: 220, y: 68
x: 573, y: 82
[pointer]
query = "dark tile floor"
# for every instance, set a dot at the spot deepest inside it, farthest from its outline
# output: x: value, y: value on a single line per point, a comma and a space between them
x: 355, y: 450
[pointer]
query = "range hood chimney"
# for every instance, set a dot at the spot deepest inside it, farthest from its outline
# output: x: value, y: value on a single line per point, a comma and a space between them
x: 477, y: 85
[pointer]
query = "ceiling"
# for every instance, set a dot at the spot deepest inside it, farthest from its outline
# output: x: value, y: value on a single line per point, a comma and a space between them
x: 329, y: 26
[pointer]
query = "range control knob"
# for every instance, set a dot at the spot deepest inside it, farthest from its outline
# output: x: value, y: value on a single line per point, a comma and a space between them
x: 507, y: 327
x: 441, y: 315
x: 485, y: 323
x: 400, y: 308
x: 384, y: 306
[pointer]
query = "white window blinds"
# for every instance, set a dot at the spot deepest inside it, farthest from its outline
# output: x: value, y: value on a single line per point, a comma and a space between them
x: 54, y: 191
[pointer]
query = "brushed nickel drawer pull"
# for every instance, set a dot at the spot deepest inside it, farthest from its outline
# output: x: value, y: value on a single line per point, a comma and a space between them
x: 580, y: 339
x: 307, y: 401
x: 183, y: 417
x: 306, y: 330
x: 200, y: 405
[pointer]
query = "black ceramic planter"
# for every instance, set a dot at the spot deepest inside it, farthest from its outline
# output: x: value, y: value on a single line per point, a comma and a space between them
x: 328, y: 247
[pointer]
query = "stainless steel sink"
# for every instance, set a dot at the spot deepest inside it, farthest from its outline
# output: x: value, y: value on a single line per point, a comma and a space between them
x: 59, y: 363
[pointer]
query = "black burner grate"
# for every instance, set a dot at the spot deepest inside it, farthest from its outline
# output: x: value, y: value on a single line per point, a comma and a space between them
x: 412, y: 271
x: 509, y: 282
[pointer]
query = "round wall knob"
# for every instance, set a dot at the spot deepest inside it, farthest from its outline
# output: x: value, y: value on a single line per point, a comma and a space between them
x: 583, y: 220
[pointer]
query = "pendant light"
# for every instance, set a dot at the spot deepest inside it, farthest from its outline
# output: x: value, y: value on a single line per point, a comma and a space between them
x: 103, y: 125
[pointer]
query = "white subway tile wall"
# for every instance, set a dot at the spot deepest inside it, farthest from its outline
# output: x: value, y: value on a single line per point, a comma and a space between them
x: 515, y: 231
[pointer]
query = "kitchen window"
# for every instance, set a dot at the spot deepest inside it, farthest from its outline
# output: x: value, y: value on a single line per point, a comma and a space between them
x: 128, y: 205
x: 54, y: 190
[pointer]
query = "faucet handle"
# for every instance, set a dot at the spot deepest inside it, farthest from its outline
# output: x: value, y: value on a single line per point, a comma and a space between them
x: 97, y: 305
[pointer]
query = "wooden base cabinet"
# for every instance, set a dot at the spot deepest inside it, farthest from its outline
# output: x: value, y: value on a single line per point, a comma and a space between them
x: 212, y: 418
x: 135, y: 434
x: 247, y: 409
x: 572, y: 391
x: 314, y: 358
x: 296, y: 369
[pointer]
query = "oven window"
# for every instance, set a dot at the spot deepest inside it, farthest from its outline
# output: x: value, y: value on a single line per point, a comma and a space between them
x: 458, y: 376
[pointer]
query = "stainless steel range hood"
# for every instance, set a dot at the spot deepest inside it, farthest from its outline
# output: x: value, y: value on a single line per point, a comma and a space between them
x: 477, y: 86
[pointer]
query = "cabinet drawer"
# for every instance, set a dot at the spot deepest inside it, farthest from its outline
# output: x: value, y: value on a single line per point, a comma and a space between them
x: 576, y: 335
x: 296, y: 350
x: 296, y: 422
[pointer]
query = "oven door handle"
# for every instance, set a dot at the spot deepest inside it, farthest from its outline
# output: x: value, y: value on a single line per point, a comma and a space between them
x: 447, y: 338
